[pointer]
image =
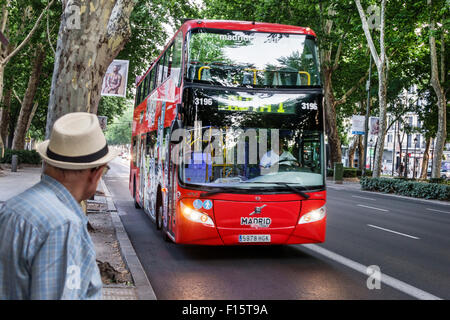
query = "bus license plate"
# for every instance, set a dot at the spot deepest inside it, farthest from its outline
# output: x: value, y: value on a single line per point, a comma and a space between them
x: 254, y: 238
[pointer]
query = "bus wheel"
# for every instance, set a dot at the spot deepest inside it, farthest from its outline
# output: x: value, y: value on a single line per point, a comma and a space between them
x: 136, y: 204
x: 159, y: 223
x: 159, y: 218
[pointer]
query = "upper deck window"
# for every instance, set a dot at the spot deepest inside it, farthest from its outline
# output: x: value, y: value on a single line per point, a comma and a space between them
x: 252, y: 59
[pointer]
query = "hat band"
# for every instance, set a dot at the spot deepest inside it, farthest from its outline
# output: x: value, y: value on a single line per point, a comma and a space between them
x: 81, y: 159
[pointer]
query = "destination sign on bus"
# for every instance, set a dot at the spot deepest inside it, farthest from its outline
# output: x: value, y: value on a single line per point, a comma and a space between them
x: 255, y: 103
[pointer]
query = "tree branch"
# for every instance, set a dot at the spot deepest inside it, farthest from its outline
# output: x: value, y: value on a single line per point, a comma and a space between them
x: 351, y: 90
x: 17, y: 96
x: 118, y: 29
x: 5, y: 16
x: 28, y: 37
x: 442, y: 57
x: 48, y: 36
x: 365, y: 26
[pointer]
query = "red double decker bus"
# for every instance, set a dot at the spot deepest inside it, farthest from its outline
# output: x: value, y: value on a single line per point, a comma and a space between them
x: 228, y: 136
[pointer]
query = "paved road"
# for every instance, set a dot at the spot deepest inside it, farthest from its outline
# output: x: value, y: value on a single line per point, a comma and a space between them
x: 408, y: 240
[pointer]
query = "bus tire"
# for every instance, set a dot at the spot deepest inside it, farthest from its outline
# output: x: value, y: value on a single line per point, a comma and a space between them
x: 159, y: 219
x: 136, y: 204
x: 159, y: 210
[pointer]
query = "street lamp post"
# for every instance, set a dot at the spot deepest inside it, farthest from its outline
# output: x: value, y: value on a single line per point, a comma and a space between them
x: 371, y: 148
x: 407, y: 158
x: 432, y: 157
x: 415, y: 145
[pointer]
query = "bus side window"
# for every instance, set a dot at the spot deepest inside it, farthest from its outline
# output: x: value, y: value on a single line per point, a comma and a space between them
x: 158, y: 72
x: 177, y: 58
x: 151, y: 80
x: 138, y: 95
x: 168, y: 62
x: 145, y: 88
x: 164, y: 62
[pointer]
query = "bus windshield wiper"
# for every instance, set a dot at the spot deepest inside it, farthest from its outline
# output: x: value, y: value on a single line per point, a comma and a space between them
x: 221, y: 190
x: 295, y: 189
x: 289, y: 186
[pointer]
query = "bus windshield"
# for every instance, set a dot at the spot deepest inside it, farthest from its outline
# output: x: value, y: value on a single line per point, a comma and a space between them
x: 242, y: 139
x: 252, y: 59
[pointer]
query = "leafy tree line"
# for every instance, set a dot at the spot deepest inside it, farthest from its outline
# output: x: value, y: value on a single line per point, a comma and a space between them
x: 42, y: 73
x: 400, y: 43
x: 51, y: 67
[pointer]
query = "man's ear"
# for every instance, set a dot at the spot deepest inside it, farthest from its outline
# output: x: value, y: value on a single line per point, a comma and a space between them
x: 96, y: 173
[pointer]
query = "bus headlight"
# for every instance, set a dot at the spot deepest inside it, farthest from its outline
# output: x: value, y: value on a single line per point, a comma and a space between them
x: 314, y: 215
x: 194, y: 215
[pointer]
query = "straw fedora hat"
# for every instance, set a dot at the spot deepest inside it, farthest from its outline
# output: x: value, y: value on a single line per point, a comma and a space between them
x: 76, y: 143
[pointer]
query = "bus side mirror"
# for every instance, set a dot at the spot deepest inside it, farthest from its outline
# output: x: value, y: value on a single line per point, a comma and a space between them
x: 176, y: 131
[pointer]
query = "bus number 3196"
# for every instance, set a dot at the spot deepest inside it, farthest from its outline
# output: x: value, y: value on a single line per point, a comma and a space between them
x: 203, y: 101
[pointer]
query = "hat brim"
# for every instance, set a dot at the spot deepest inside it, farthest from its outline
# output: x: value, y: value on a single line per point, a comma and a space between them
x: 42, y: 150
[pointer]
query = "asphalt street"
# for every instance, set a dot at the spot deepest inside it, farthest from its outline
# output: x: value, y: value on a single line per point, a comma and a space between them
x: 408, y: 240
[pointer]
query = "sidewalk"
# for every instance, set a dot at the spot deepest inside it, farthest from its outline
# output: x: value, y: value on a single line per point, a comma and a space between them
x: 13, y: 183
x: 119, y: 282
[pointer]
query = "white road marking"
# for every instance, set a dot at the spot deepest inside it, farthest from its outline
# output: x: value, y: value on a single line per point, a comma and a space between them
x: 364, y: 198
x: 388, y: 230
x: 360, y: 205
x: 388, y: 280
x: 437, y: 210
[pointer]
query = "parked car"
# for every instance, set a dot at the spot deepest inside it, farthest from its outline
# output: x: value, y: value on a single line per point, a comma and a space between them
x: 445, y: 174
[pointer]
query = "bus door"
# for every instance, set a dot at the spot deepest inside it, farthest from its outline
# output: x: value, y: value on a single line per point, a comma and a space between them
x: 172, y: 189
x: 142, y: 167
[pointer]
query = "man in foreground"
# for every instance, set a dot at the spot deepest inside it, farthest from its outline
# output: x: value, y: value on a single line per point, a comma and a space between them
x: 45, y: 249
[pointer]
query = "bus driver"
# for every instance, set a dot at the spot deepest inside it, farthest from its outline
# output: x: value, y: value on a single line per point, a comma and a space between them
x: 283, y: 157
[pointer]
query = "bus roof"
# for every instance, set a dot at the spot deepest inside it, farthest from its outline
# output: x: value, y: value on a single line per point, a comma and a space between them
x: 248, y: 26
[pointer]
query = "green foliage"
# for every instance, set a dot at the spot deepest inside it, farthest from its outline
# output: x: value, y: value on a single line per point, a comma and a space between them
x: 407, y: 188
x: 350, y: 172
x: 24, y: 156
x: 119, y: 131
x: 112, y: 107
x: 150, y: 22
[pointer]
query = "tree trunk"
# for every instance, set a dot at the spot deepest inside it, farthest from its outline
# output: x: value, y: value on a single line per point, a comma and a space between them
x: 352, y: 150
x: 426, y: 157
x: 360, y: 152
x: 400, y: 144
x: 382, y: 92
x: 27, y: 102
x: 83, y: 54
x: 4, y: 118
x: 334, y: 141
x: 441, y: 134
x: 381, y: 63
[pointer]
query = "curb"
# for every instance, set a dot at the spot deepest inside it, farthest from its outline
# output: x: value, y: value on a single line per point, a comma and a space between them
x: 143, y: 287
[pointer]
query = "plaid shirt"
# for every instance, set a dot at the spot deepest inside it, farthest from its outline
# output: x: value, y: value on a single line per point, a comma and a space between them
x: 45, y: 249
